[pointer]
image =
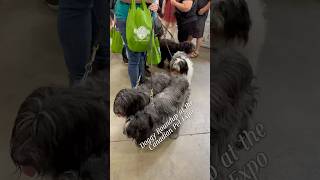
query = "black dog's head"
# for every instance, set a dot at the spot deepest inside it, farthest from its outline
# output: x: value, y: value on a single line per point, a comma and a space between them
x: 187, y: 47
x: 57, y: 129
x: 231, y: 18
x: 139, y: 126
x: 129, y: 101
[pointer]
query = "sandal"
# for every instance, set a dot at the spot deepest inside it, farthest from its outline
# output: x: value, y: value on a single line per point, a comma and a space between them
x: 194, y: 54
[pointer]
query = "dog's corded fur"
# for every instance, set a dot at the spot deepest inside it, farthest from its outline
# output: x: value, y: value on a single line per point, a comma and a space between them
x: 187, y: 47
x: 231, y: 20
x: 165, y: 105
x: 232, y: 101
x: 59, y: 130
x: 129, y: 101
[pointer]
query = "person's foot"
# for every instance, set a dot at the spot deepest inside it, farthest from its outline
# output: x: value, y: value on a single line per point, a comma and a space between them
x: 124, y: 56
x: 125, y: 60
x: 53, y: 4
x: 194, y: 54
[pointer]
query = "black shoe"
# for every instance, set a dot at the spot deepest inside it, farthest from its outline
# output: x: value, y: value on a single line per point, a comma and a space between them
x: 125, y: 60
x: 124, y: 56
x: 53, y: 4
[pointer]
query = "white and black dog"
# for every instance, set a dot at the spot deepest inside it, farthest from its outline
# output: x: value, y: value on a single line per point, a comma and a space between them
x: 169, y: 47
x: 182, y: 64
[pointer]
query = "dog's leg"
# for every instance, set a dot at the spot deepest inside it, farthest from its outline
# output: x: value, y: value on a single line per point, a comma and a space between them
x: 175, y: 134
x: 161, y: 64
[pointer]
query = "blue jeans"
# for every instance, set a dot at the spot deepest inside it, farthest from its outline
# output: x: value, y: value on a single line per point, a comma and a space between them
x: 81, y: 23
x: 136, y: 60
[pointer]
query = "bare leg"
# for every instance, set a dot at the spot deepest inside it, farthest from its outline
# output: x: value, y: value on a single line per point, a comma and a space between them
x: 198, y: 44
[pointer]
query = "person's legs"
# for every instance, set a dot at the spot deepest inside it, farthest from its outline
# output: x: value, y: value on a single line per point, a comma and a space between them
x: 182, y: 33
x: 100, y: 31
x: 136, y: 61
x: 75, y: 32
x: 198, y: 34
x: 198, y: 44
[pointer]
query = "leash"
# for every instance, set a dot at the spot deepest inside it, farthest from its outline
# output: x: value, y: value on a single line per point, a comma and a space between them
x: 150, y: 48
x: 88, y: 67
x: 96, y: 45
x: 171, y: 35
x: 153, y: 35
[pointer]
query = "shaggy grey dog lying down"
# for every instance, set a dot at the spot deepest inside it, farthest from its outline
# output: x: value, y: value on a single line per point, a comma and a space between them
x: 141, y: 125
x: 129, y: 101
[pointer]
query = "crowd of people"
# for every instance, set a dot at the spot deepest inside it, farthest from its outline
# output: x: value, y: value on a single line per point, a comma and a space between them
x: 81, y: 24
x: 188, y: 16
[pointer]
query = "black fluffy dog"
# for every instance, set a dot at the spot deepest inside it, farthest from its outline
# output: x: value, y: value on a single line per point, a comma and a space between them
x: 165, y: 105
x: 232, y: 99
x: 231, y: 20
x: 63, y: 132
x: 129, y: 101
x: 166, y: 45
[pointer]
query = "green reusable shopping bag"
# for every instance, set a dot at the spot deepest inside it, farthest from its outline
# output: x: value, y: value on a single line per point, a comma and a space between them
x: 153, y: 53
x: 138, y: 27
x: 116, y: 41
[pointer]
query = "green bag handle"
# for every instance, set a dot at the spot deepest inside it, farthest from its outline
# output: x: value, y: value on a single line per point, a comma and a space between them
x: 143, y: 4
x: 133, y: 4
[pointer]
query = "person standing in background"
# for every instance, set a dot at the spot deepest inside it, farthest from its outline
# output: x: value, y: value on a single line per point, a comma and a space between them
x: 202, y: 12
x: 168, y: 14
x: 136, y: 60
x: 81, y: 25
x: 186, y: 18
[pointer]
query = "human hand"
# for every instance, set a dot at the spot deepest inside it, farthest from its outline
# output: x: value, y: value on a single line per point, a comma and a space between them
x: 172, y: 1
x: 154, y: 7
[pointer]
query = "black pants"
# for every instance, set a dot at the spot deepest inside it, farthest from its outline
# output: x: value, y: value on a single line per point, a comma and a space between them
x: 81, y: 24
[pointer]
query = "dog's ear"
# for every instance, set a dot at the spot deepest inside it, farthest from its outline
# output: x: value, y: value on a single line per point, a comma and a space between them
x: 130, y: 129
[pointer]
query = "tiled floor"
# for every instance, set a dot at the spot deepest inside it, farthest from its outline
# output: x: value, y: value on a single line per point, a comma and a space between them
x: 186, y: 158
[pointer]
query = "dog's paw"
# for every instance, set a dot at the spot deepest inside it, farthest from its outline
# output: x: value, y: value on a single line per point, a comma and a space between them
x: 161, y: 64
x: 174, y: 135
